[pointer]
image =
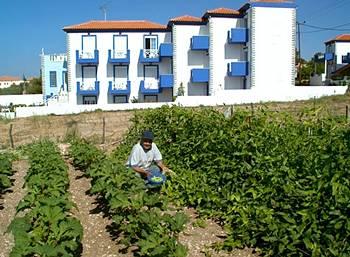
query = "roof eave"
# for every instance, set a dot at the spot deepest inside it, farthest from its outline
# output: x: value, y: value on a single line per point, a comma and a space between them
x: 165, y: 29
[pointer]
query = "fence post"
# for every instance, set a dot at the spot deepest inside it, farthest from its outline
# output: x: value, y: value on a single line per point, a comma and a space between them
x: 347, y: 112
x: 104, y: 130
x: 10, y: 136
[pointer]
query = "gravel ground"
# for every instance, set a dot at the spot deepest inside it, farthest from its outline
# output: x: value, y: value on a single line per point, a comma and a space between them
x: 8, y: 204
x: 97, y: 241
x: 198, y: 239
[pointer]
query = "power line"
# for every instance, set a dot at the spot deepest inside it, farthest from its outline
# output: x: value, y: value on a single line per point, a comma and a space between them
x: 320, y: 29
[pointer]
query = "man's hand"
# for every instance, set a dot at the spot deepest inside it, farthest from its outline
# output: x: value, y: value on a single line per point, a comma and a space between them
x: 168, y: 171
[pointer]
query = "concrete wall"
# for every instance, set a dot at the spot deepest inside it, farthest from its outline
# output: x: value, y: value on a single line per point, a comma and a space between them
x: 221, y: 53
x: 272, y: 47
x: 5, y: 100
x: 227, y: 97
x: 185, y: 59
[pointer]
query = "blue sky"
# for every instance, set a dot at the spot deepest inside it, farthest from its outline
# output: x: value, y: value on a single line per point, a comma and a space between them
x: 27, y: 26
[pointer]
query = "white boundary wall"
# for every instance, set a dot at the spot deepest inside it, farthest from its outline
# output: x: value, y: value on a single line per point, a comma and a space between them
x: 36, y: 99
x: 228, y: 97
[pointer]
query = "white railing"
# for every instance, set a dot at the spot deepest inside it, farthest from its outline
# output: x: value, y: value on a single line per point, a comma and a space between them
x: 87, y: 86
x: 150, y: 53
x: 119, y: 54
x: 87, y: 55
x: 120, y: 84
x: 151, y: 83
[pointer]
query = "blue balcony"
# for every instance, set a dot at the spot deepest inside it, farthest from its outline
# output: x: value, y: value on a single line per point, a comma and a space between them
x: 119, y: 57
x: 166, y: 81
x: 148, y: 91
x: 86, y: 90
x: 87, y: 58
x: 238, y: 36
x: 114, y: 89
x: 200, y: 75
x: 346, y: 58
x: 329, y: 56
x: 200, y: 43
x: 237, y: 69
x: 166, y: 50
x: 149, y: 56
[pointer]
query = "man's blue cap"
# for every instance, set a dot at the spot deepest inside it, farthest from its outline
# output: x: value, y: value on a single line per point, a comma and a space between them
x: 147, y: 135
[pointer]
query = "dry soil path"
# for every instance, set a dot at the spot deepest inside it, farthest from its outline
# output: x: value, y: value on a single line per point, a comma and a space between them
x: 97, y: 241
x: 9, y: 202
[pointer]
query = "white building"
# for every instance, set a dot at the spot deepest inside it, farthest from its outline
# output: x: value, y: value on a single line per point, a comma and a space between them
x: 223, y: 51
x: 337, y: 54
x: 7, y: 81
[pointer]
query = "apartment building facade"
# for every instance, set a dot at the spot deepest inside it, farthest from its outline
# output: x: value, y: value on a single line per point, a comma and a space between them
x: 337, y: 54
x: 225, y: 50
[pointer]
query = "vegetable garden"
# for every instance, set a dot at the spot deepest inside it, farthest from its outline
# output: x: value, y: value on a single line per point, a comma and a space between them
x: 277, y: 183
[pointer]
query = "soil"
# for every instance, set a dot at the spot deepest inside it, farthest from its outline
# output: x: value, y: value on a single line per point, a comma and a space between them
x: 8, y: 204
x: 98, y: 241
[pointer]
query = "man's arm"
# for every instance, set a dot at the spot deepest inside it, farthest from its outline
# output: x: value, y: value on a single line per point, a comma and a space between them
x: 141, y: 171
x: 161, y: 165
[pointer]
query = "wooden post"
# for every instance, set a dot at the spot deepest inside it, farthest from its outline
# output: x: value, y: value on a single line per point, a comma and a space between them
x: 104, y: 130
x: 347, y: 112
x: 10, y: 135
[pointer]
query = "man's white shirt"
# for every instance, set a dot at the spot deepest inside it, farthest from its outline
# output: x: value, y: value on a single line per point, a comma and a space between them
x: 142, y: 159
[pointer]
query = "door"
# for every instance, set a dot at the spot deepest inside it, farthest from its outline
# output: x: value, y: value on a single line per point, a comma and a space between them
x: 88, y: 47
x: 120, y: 77
x: 120, y: 47
x: 151, y: 47
x: 89, y: 77
x: 151, y: 77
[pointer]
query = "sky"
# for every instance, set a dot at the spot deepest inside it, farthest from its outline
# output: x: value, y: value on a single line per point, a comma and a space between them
x: 28, y: 26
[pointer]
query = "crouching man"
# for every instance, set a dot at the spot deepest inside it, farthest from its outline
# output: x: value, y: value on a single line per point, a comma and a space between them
x: 146, y: 160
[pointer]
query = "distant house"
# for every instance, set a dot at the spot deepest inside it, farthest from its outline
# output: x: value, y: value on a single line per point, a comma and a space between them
x: 221, y: 53
x: 337, y: 56
x: 54, y: 75
x: 7, y: 81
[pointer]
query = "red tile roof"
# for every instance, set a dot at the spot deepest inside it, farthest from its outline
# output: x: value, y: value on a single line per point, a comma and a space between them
x: 186, y: 18
x: 340, y: 38
x: 9, y: 78
x: 115, y: 25
x: 223, y: 11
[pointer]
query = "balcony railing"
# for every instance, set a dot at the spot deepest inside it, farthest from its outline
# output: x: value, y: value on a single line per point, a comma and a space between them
x: 122, y: 57
x: 200, y: 75
x: 200, y: 43
x: 149, y: 55
x: 237, y: 36
x: 329, y: 56
x: 119, y: 87
x: 87, y: 57
x: 85, y: 88
x: 237, y: 69
x: 149, y: 86
x: 166, y: 81
x: 166, y: 50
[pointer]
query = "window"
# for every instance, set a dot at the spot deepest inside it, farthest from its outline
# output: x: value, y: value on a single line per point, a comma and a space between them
x: 53, y: 79
x: 120, y: 99
x: 150, y: 98
x: 89, y: 100
x: 150, y: 46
